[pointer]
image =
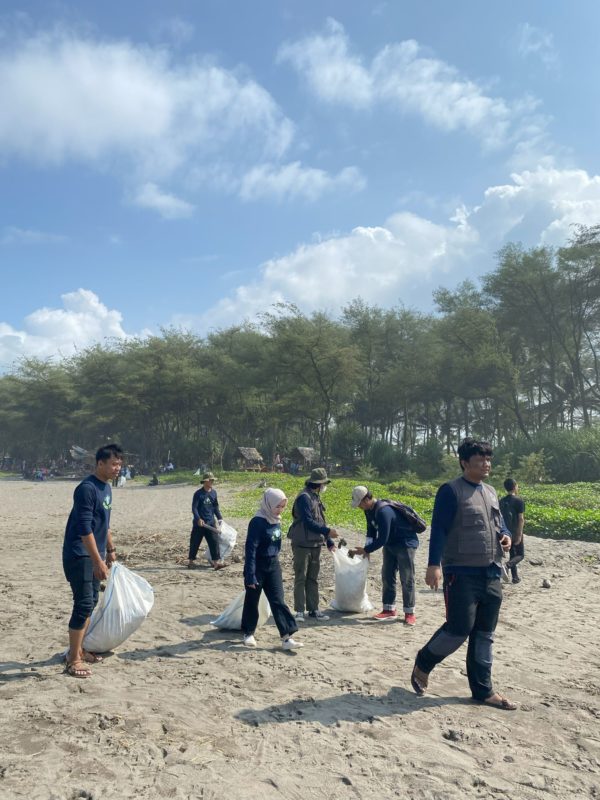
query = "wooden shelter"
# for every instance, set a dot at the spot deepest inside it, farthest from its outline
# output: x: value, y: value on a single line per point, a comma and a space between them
x: 304, y: 456
x: 249, y: 458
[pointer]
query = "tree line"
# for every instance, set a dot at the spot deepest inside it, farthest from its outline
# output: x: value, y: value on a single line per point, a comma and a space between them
x: 514, y: 360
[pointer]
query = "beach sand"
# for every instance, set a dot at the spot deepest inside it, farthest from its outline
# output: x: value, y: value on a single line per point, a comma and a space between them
x: 183, y: 711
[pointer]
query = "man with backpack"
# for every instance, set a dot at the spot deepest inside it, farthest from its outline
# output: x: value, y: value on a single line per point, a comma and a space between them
x: 512, y: 508
x: 392, y: 526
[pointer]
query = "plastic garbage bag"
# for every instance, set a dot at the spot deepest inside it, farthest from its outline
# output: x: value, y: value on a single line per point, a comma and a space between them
x: 125, y: 604
x: 350, y: 582
x: 227, y: 540
x: 231, y: 618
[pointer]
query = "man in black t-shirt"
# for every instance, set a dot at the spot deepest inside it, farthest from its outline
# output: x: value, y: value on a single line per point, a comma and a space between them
x: 513, y: 508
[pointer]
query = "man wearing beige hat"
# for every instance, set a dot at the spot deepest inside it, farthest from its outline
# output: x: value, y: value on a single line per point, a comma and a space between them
x: 207, y: 522
x: 393, y: 527
x: 308, y: 533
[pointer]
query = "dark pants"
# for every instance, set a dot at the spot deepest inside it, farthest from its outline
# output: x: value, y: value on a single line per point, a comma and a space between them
x: 212, y: 540
x: 307, y: 564
x: 517, y: 554
x: 268, y: 574
x: 80, y: 574
x: 472, y: 608
x: 398, y: 559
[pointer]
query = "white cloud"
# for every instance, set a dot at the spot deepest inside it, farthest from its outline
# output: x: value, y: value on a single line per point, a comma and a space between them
x: 532, y: 41
x: 293, y: 180
x: 26, y: 236
x: 404, y: 77
x: 82, y: 321
x: 178, y: 30
x: 167, y: 205
x: 408, y: 256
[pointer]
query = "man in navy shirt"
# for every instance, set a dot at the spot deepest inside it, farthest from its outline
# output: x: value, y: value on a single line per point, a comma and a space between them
x: 468, y: 537
x: 388, y: 530
x: 207, y: 515
x: 88, y: 552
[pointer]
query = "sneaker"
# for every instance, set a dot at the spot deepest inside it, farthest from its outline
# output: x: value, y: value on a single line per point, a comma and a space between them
x: 516, y: 580
x: 299, y: 616
x: 318, y: 615
x: 505, y: 575
x: 409, y: 619
x: 386, y: 616
x: 291, y: 644
x: 249, y: 640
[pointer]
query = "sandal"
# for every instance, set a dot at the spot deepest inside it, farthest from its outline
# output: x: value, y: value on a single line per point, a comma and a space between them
x: 219, y: 565
x: 497, y: 701
x: 419, y: 684
x: 77, y: 669
x: 91, y: 658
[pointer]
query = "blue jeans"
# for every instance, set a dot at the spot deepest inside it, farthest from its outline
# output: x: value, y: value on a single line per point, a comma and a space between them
x: 398, y: 559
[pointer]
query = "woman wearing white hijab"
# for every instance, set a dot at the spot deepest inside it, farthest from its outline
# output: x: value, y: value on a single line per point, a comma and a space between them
x: 262, y: 571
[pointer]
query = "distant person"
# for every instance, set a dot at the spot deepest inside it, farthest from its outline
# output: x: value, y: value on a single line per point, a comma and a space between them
x: 207, y: 522
x: 88, y: 552
x: 308, y: 533
x: 153, y: 480
x: 262, y: 571
x: 513, y: 509
x: 396, y: 533
x: 468, y: 537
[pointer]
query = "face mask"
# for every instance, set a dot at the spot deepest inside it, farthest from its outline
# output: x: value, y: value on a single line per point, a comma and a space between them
x: 323, y: 488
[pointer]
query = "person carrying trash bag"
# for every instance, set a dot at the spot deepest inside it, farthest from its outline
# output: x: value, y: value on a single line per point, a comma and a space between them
x: 393, y: 527
x: 207, y: 522
x: 308, y: 533
x: 262, y: 571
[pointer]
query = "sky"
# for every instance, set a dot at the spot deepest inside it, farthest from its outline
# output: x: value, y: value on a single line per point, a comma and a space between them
x: 190, y: 164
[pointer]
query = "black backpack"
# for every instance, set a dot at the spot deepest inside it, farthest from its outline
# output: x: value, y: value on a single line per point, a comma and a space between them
x: 508, y: 512
x: 408, y: 514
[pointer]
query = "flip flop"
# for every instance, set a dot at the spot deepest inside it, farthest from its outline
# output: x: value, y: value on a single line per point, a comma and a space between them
x: 419, y: 688
x: 503, y: 703
x: 77, y: 669
x: 91, y: 658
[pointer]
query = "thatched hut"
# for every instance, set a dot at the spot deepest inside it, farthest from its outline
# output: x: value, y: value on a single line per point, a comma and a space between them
x: 305, y: 457
x: 249, y: 458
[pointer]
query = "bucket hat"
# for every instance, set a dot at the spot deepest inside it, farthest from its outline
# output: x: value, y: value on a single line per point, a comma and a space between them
x: 318, y: 475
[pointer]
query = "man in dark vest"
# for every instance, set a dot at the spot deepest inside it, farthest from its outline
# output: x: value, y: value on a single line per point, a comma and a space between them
x: 513, y: 508
x: 468, y: 537
x: 309, y: 533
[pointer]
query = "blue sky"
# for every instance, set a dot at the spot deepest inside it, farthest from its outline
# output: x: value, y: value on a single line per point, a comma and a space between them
x: 192, y: 163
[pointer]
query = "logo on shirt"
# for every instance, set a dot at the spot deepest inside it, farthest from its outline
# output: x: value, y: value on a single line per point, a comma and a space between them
x: 275, y: 534
x: 107, y: 503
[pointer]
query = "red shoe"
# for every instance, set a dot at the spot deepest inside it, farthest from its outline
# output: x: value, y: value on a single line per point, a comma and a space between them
x: 385, y: 616
x: 409, y: 619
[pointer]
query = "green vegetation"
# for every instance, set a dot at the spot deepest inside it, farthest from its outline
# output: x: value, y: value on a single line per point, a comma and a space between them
x: 567, y: 511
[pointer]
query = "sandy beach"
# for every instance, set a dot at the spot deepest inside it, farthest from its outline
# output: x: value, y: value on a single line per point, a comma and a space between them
x: 183, y: 711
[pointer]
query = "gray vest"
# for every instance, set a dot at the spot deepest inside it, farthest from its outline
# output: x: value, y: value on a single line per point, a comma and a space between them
x: 472, y: 540
x: 300, y: 535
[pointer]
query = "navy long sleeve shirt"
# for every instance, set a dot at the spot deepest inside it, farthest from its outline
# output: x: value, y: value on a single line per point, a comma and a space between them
x: 92, y: 502
x: 385, y: 527
x: 205, y: 506
x: 262, y: 542
x: 444, y: 511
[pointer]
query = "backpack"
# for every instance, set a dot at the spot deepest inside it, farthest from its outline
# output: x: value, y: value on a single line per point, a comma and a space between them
x: 508, y: 513
x: 408, y: 514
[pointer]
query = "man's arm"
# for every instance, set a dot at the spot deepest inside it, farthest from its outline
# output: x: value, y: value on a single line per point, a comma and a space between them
x: 100, y: 568
x: 385, y: 519
x: 444, y: 511
x: 195, y: 504
x: 111, y: 550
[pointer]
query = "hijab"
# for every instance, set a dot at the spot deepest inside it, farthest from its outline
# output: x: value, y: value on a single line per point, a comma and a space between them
x: 270, y: 500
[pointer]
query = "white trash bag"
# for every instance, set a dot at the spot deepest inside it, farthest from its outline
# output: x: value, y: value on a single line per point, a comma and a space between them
x: 350, y: 582
x: 227, y: 539
x: 231, y: 618
x: 125, y: 604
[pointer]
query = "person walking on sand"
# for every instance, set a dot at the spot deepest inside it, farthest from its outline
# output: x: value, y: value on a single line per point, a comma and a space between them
x: 513, y: 509
x: 262, y: 571
x: 468, y: 537
x: 207, y: 521
x: 88, y: 552
x: 393, y: 527
x: 308, y: 533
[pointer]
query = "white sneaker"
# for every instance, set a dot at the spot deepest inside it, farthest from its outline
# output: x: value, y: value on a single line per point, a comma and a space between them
x: 249, y: 641
x: 291, y: 644
x: 299, y: 616
x: 318, y: 615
